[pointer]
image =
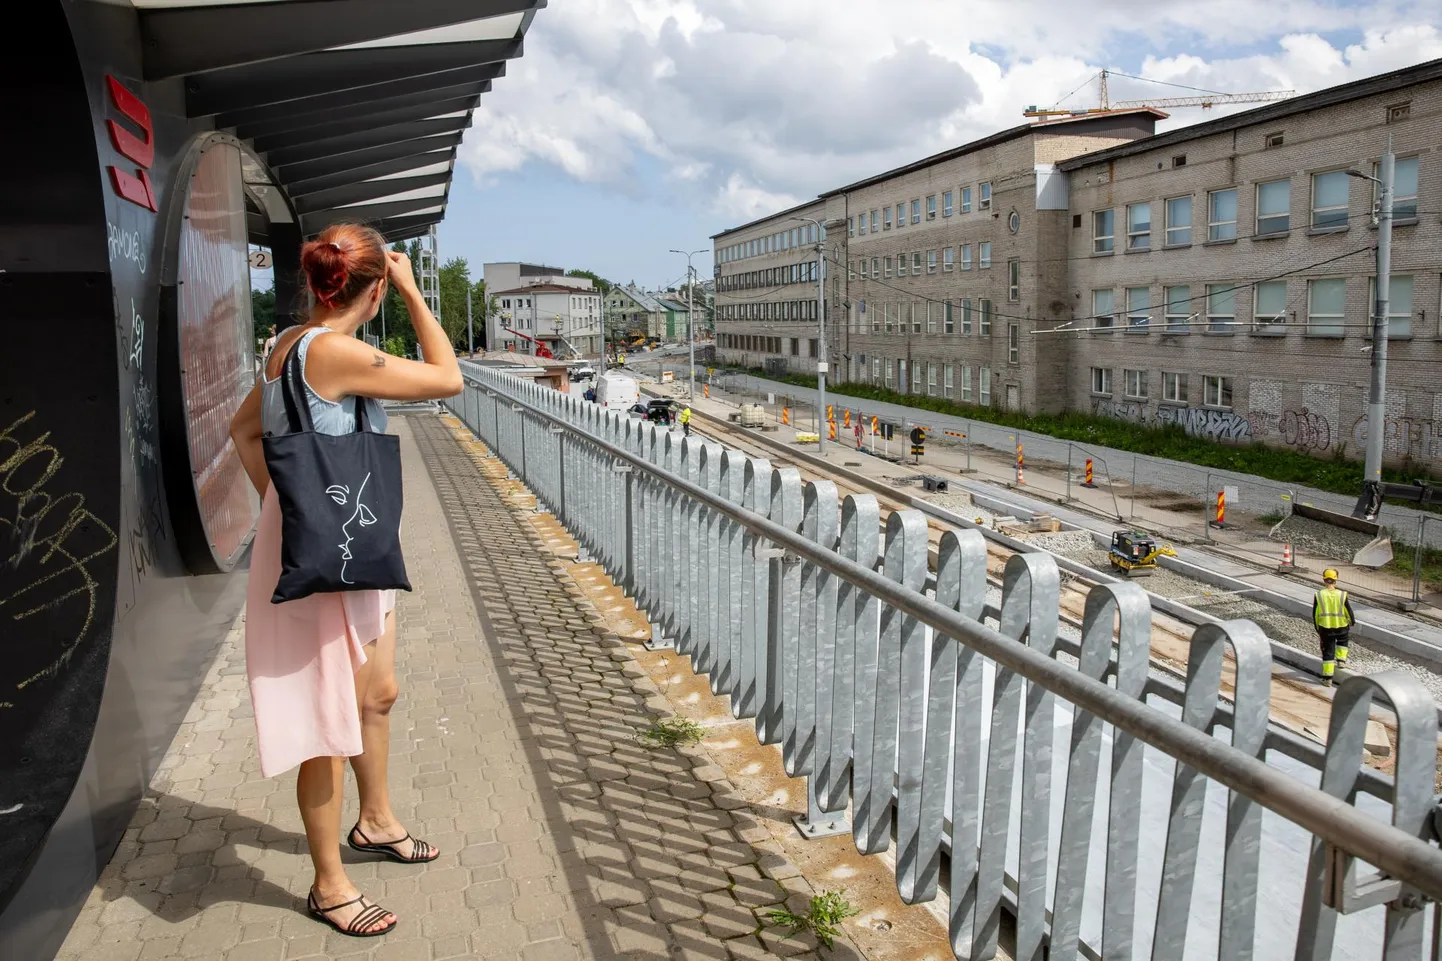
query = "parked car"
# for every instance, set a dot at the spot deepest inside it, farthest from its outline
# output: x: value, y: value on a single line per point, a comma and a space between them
x: 656, y: 411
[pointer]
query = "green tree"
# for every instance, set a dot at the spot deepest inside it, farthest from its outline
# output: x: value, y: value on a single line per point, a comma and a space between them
x: 602, y: 284
x: 455, y: 280
x: 262, y: 311
x: 397, y: 317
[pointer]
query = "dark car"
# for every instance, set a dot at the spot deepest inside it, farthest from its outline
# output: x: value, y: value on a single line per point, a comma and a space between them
x: 656, y: 411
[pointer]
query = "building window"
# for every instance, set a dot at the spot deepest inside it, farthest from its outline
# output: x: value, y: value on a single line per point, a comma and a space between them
x: 1013, y: 280
x: 966, y: 384
x: 985, y: 328
x: 875, y: 220
x: 983, y: 201
x: 886, y: 310
x: 916, y: 312
x: 1274, y: 207
x: 1399, y: 112
x: 966, y: 256
x: 948, y: 260
x: 1103, y: 308
x: 966, y: 315
x: 930, y: 317
x: 983, y: 250
x: 984, y: 395
x: 861, y: 225
x: 1139, y: 309
x: 1399, y: 305
x: 862, y: 271
x: 875, y: 267
x: 916, y: 211
x: 876, y: 370
x: 1174, y: 388
x: 1139, y: 226
x: 931, y: 379
x: 1103, y: 232
x: 931, y: 207
x: 966, y: 200
x: 1222, y: 214
x: 1404, y: 188
x: 885, y: 218
x: 1326, y: 306
x: 948, y: 318
x: 888, y: 372
x: 1269, y: 305
x: 947, y: 376
x: 1329, y: 200
x: 900, y: 215
x: 1179, y: 221
x: 1134, y: 383
x: 1102, y: 380
x: 916, y: 263
x: 1217, y: 391
x: 886, y: 265
x: 1221, y: 308
x: 1275, y: 140
x: 946, y: 204
x: 1179, y: 310
x: 1013, y: 343
x: 931, y: 261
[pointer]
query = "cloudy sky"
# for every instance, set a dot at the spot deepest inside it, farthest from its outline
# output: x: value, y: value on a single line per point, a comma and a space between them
x: 631, y: 127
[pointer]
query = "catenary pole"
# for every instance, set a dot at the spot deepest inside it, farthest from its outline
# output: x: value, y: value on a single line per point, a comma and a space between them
x: 821, y: 326
x: 470, y: 330
x: 1377, y: 392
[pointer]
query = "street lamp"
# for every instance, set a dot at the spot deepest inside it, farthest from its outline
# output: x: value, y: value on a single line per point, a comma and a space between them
x: 690, y: 312
x: 1370, y: 502
x: 821, y: 324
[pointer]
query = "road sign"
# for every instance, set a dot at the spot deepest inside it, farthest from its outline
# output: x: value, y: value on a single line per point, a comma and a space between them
x: 260, y: 259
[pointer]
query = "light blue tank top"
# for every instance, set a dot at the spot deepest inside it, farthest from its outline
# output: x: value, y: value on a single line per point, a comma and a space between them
x: 330, y: 417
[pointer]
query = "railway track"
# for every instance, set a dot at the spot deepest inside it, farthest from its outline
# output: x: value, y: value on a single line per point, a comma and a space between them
x: 1299, y: 702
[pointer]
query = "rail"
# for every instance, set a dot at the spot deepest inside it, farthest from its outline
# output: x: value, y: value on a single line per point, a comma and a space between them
x: 948, y: 726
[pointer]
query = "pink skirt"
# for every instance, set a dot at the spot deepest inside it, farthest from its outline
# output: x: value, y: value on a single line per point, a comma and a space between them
x: 301, y: 658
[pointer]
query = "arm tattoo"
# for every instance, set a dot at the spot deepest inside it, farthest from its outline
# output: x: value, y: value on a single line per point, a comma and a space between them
x: 380, y: 361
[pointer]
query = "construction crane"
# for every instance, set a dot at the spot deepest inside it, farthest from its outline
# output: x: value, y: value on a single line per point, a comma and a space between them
x: 1205, y: 99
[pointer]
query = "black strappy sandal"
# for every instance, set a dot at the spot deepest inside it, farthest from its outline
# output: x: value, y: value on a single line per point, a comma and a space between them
x: 356, y: 928
x: 421, y: 852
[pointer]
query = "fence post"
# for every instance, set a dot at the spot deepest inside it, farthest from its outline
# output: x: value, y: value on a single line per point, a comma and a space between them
x: 1207, y: 508
x: 1068, y: 472
x: 1133, y: 512
x: 1417, y: 560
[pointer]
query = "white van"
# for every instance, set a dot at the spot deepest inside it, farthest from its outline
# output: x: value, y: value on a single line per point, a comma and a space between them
x: 617, y: 391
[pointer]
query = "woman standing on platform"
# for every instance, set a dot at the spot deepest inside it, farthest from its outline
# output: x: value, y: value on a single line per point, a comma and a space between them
x: 322, y: 668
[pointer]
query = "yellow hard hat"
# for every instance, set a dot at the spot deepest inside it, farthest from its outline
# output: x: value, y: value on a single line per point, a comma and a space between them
x: 1329, y: 575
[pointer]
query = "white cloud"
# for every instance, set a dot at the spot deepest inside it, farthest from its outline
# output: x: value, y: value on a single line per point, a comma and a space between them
x: 753, y: 105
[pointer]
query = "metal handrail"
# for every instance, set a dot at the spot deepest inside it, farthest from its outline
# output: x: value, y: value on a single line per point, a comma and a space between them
x: 1403, y: 858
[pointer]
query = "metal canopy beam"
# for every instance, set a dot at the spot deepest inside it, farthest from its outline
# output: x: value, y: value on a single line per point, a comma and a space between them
x: 305, y: 121
x: 190, y: 40
x: 360, y: 192
x: 363, y: 159
x: 372, y: 121
x: 370, y: 213
x: 438, y: 84
x: 385, y: 168
x: 313, y: 74
x: 366, y: 139
x: 405, y: 228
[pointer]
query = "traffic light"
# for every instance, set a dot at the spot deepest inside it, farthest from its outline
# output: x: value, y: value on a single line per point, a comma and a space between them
x: 918, y: 441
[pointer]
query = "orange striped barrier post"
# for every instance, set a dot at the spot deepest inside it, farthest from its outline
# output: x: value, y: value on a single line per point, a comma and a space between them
x: 831, y: 429
x: 875, y: 424
x: 846, y: 418
x: 786, y: 416
x: 1020, y: 465
x: 954, y: 433
x: 1221, y: 520
x: 1088, y: 481
x: 706, y: 391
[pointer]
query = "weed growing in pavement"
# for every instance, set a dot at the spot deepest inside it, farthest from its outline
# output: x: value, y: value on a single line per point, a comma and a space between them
x: 1271, y: 518
x: 823, y: 917
x: 671, y: 731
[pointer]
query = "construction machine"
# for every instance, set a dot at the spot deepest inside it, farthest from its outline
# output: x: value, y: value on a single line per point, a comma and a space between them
x: 1135, y: 553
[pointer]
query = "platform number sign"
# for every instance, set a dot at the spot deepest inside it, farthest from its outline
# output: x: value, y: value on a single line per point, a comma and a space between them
x: 260, y: 259
x: 140, y: 150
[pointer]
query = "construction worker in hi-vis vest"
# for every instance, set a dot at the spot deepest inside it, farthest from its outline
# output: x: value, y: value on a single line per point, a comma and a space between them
x: 1332, y: 614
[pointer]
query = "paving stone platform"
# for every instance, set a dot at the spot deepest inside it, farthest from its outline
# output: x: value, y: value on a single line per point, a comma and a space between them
x: 514, y: 750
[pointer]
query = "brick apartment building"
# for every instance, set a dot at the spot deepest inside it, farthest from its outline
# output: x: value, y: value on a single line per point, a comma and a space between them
x: 1218, y: 276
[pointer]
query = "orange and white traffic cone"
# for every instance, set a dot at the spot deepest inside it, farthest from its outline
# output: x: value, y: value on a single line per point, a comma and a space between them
x: 1287, y: 566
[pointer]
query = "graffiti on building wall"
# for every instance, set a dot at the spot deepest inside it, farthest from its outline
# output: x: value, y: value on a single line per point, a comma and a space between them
x: 1417, y: 439
x: 1306, y: 430
x: 1211, y: 424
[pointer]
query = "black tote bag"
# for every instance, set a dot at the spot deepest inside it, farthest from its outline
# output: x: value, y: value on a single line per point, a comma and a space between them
x: 340, y: 501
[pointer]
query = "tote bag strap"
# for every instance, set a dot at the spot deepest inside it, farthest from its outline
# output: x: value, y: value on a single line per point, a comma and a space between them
x: 292, y: 390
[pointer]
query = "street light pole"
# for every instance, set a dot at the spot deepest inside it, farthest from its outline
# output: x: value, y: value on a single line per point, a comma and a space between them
x: 470, y: 330
x: 821, y: 365
x: 1370, y: 502
x: 690, y: 316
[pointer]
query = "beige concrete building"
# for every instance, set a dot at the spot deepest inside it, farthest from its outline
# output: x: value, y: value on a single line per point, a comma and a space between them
x: 1217, y: 276
x: 1231, y: 267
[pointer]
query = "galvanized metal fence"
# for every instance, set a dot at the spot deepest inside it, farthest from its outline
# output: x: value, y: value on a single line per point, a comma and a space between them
x: 1024, y: 769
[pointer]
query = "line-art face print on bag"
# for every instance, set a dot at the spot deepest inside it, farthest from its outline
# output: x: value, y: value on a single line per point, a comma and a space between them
x: 362, y: 515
